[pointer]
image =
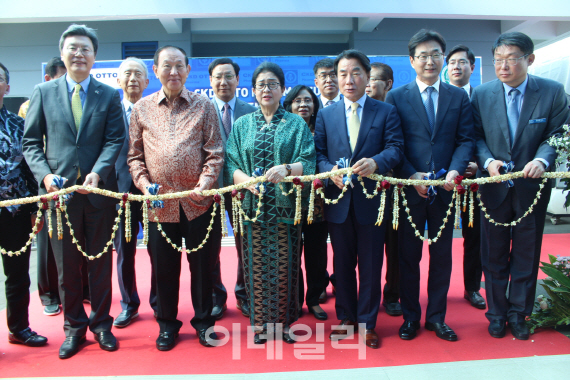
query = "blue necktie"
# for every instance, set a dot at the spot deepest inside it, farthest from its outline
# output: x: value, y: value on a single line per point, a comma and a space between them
x: 430, y: 110
x: 513, y: 112
x: 129, y: 110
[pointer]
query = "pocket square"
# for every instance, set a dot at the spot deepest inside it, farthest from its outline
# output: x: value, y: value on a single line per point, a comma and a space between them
x: 536, y: 121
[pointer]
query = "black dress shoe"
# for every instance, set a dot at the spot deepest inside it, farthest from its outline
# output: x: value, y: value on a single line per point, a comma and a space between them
x: 107, y: 340
x: 70, y: 346
x: 497, y: 328
x: 409, y: 330
x: 323, y: 297
x: 243, y: 306
x: 257, y: 339
x: 27, y: 337
x: 166, y: 341
x: 125, y: 318
x: 207, y: 342
x: 475, y: 299
x: 393, y: 308
x: 442, y: 331
x: 520, y: 330
x: 218, y: 311
x: 288, y: 339
x: 320, y: 315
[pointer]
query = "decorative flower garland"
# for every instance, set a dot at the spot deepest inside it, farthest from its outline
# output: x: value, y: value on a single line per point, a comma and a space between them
x: 32, y: 234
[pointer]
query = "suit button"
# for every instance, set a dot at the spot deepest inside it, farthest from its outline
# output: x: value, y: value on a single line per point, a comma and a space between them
x: 77, y: 146
x: 432, y: 143
x: 427, y: 162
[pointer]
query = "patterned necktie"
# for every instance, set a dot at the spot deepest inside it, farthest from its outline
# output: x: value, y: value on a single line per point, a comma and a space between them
x: 76, y: 107
x: 430, y: 109
x: 329, y: 103
x: 227, y: 119
x: 353, y: 125
x: 513, y: 113
x: 129, y: 110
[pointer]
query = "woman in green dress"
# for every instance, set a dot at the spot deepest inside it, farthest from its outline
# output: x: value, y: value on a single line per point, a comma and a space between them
x: 276, y: 144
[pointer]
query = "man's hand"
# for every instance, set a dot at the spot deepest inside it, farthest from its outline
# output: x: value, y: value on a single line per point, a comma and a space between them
x: 534, y: 169
x: 494, y: 166
x: 422, y: 190
x: 196, y: 195
x: 471, y: 170
x: 48, y: 183
x: 40, y: 225
x: 276, y: 174
x: 91, y: 180
x: 449, y: 180
x: 364, y: 167
x: 337, y: 179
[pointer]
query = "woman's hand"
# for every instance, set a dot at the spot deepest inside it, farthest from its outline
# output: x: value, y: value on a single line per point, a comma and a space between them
x: 276, y: 174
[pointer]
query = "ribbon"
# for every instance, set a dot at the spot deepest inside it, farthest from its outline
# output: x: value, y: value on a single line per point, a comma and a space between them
x: 59, y: 182
x: 344, y: 163
x: 505, y: 169
x: 153, y: 190
x: 258, y: 172
x: 432, y: 190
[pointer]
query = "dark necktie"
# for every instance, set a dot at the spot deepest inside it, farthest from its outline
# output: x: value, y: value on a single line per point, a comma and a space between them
x: 329, y: 103
x: 227, y: 119
x: 430, y: 110
x: 513, y: 113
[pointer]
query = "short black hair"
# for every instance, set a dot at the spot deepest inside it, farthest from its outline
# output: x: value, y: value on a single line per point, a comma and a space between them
x: 80, y: 30
x: 459, y: 48
x: 157, y: 53
x: 223, y: 61
x: 269, y: 67
x: 518, y: 39
x: 425, y: 35
x: 293, y: 93
x: 386, y: 70
x: 6, y: 72
x: 52, y: 65
x: 350, y: 54
x: 323, y: 63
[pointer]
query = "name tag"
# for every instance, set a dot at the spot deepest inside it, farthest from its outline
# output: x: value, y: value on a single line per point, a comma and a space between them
x: 536, y: 121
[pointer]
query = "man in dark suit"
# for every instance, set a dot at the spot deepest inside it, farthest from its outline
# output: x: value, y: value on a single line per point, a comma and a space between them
x: 82, y: 123
x: 224, y: 79
x: 327, y: 82
x: 460, y: 66
x: 438, y: 125
x: 133, y: 80
x: 515, y: 116
x: 367, y: 133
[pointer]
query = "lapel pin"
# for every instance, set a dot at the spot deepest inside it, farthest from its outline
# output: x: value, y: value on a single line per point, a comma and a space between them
x: 97, y: 92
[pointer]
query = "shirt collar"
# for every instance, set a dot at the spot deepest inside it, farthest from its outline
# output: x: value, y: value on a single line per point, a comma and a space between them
x: 220, y: 103
x: 185, y: 94
x: 348, y: 103
x: 127, y: 104
x: 422, y: 86
x: 325, y: 100
x: 521, y: 87
x: 71, y: 83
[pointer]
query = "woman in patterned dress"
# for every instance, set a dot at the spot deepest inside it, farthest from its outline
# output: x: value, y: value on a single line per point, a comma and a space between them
x: 302, y: 101
x: 279, y: 144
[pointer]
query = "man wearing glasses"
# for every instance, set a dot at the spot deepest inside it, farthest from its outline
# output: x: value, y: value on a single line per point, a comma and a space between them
x: 381, y: 81
x: 514, y: 118
x: 438, y: 125
x: 327, y: 82
x: 460, y: 66
x: 224, y: 79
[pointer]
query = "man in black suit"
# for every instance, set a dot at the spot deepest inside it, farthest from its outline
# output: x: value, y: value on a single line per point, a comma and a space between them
x: 438, y: 124
x: 460, y: 66
x: 224, y: 79
x: 81, y: 121
x: 515, y: 115
x: 133, y: 80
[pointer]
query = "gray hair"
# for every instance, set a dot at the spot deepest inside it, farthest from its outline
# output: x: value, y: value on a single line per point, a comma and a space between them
x: 133, y: 59
x: 80, y: 30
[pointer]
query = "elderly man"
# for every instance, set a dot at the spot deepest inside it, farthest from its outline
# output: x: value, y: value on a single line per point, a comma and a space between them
x: 224, y: 79
x: 460, y: 66
x: 133, y: 80
x: 381, y: 81
x: 16, y: 181
x: 81, y: 122
x: 176, y: 143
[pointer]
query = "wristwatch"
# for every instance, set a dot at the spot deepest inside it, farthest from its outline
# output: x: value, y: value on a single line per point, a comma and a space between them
x: 289, y: 169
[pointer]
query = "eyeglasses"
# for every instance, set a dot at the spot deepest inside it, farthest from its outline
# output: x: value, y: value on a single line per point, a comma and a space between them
x: 461, y: 62
x: 424, y: 57
x: 374, y: 80
x: 74, y: 50
x: 2, y: 79
x: 299, y: 101
x: 271, y: 86
x: 510, y: 61
x: 331, y: 75
x: 228, y: 77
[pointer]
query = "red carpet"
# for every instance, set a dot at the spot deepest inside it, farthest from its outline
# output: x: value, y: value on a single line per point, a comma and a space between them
x: 138, y: 356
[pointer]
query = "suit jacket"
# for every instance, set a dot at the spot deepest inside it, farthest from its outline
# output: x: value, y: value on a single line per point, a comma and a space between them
x: 544, y: 111
x: 94, y: 148
x: 124, y: 178
x: 451, y: 144
x: 241, y: 108
x: 380, y: 138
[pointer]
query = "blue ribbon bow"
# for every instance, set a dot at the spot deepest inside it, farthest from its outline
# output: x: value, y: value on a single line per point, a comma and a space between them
x: 505, y: 169
x: 258, y: 172
x: 59, y: 182
x: 432, y: 190
x: 153, y: 190
x: 344, y: 163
